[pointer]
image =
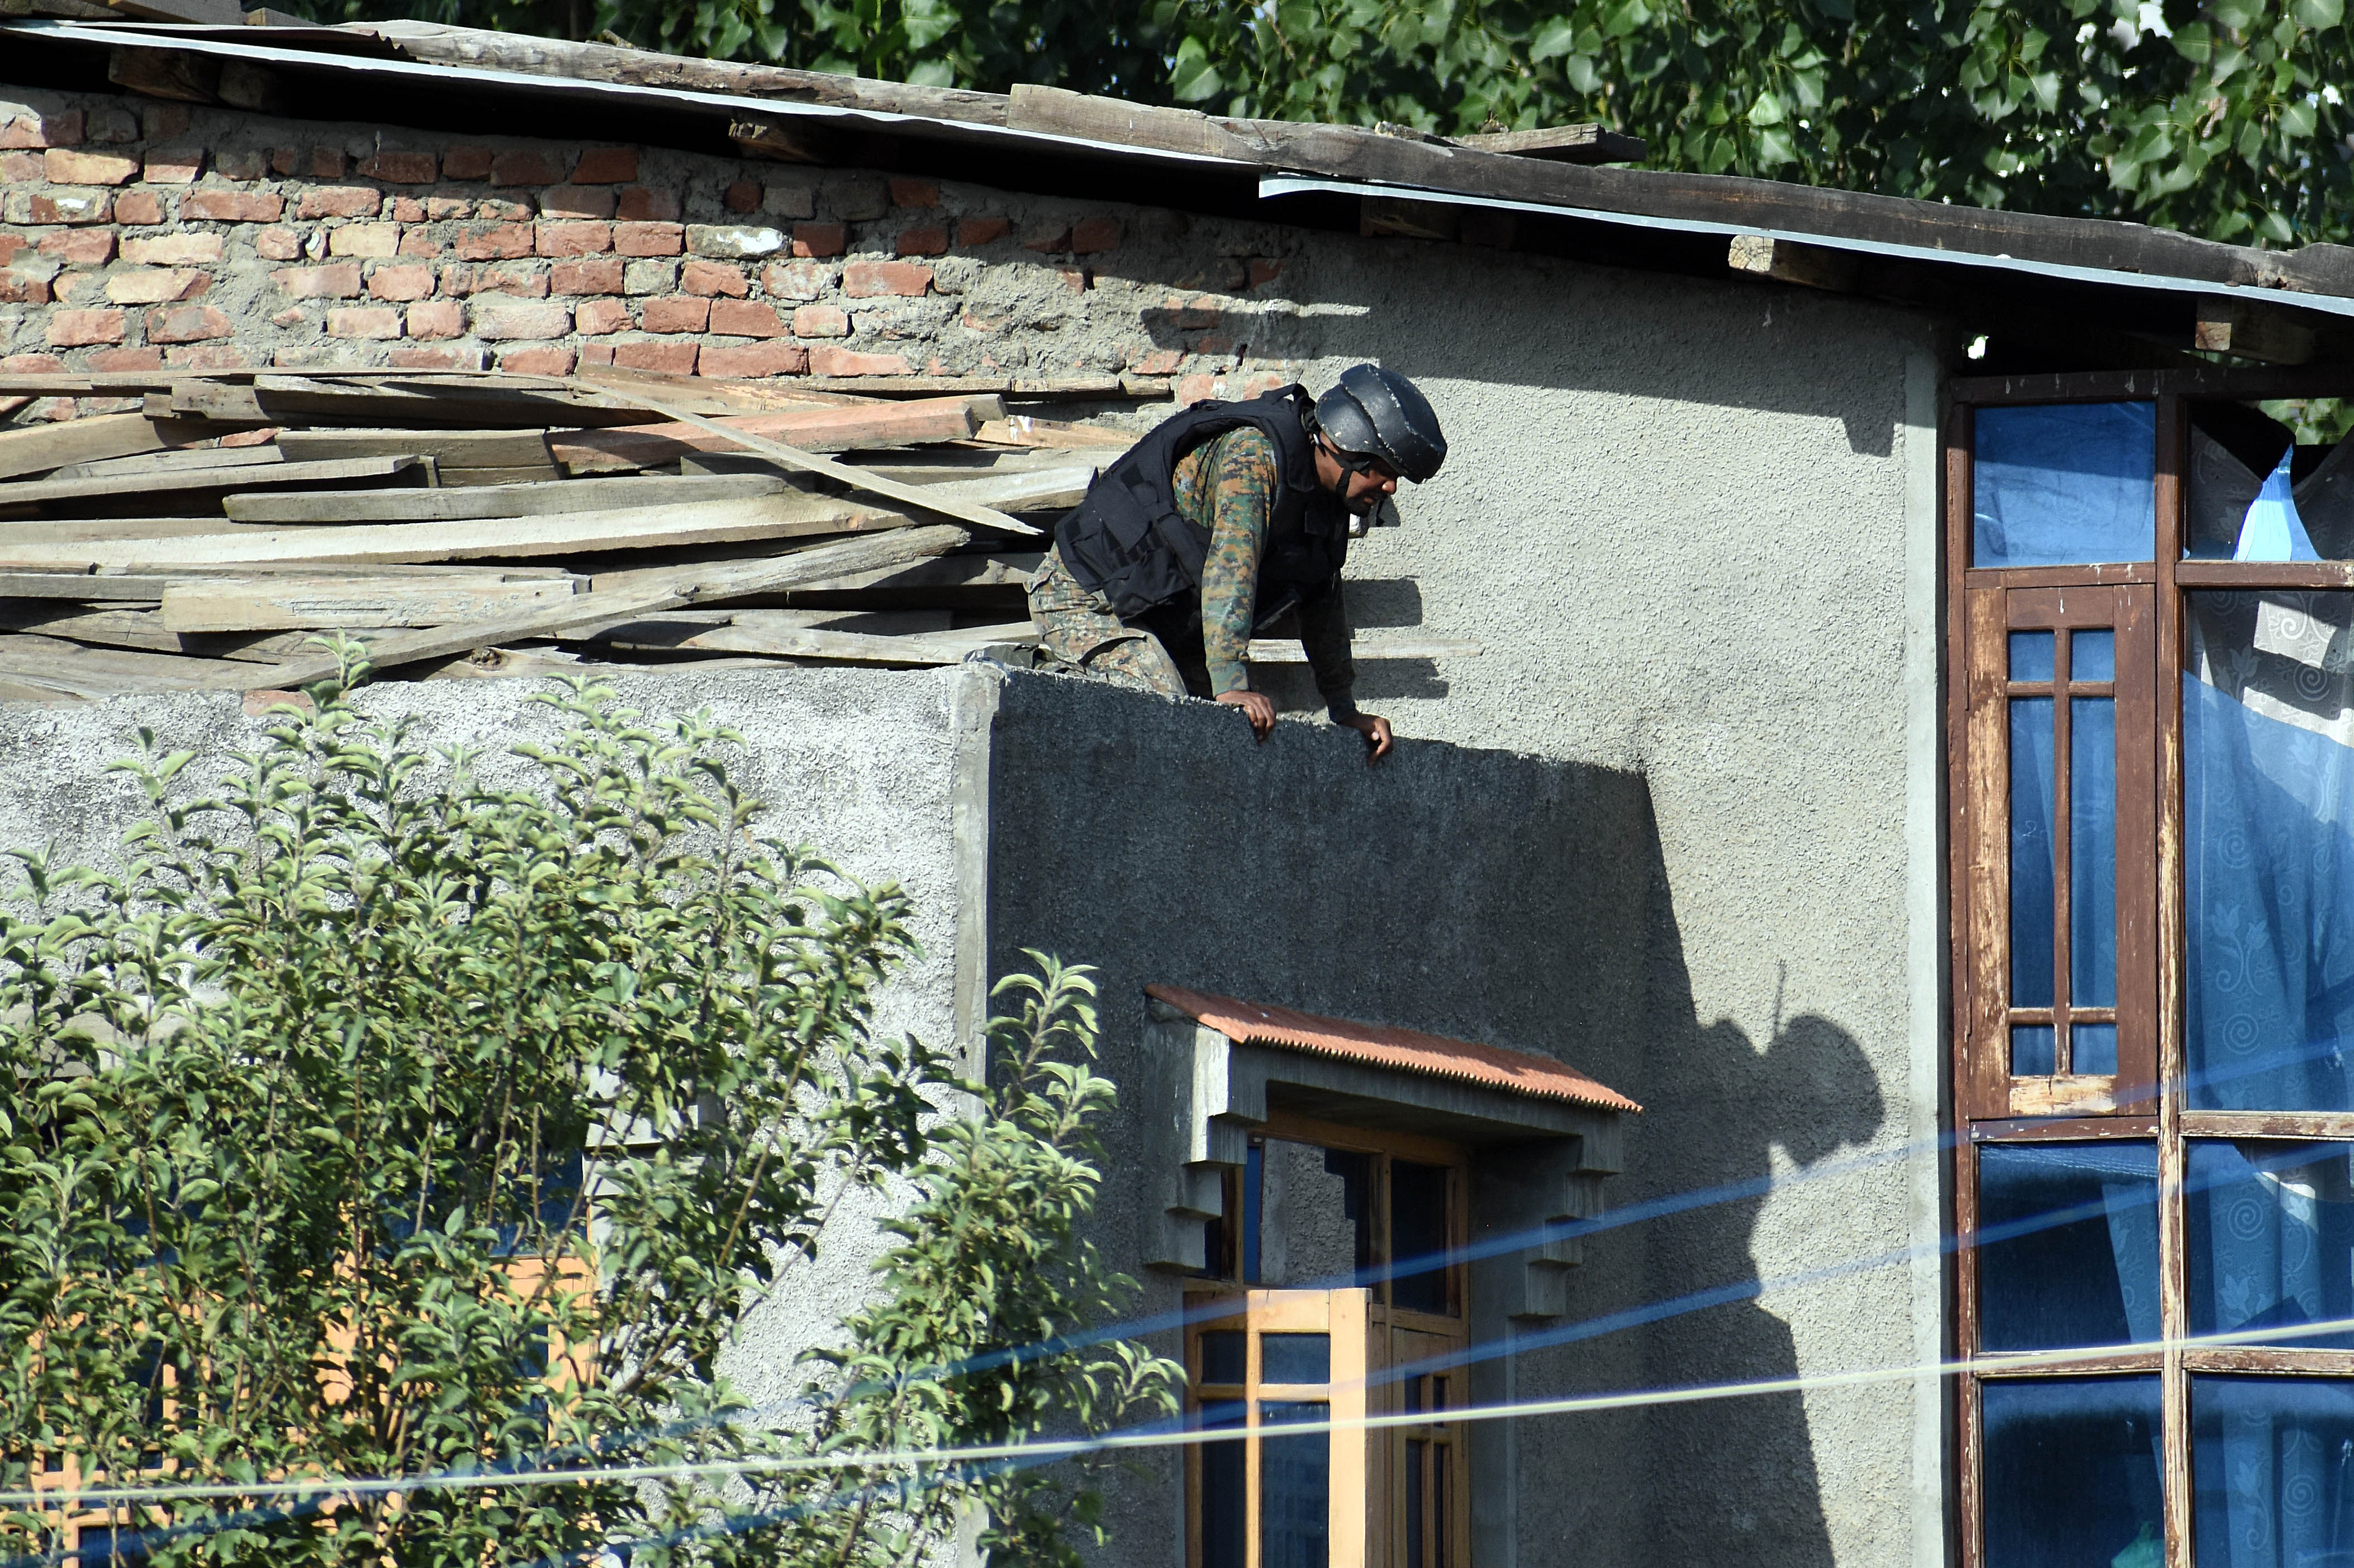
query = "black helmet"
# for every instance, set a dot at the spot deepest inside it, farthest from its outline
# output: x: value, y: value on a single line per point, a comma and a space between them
x: 1378, y: 413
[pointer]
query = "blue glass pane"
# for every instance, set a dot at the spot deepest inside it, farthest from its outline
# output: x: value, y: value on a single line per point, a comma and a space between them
x: 1295, y: 1358
x: 1414, y: 1449
x: 2272, y: 1472
x: 2030, y: 656
x: 2071, y: 1473
x: 1222, y: 1355
x: 1419, y: 1236
x: 2268, y: 716
x: 2031, y: 870
x: 2092, y: 1049
x: 2271, y: 1240
x: 1294, y: 1490
x: 2059, y: 485
x: 2092, y: 852
x: 2093, y: 656
x: 1225, y: 1505
x: 2067, y: 1245
x: 1254, y: 1183
x: 2035, y: 1051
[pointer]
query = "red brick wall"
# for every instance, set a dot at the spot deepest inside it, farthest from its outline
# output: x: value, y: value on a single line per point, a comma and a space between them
x: 138, y: 235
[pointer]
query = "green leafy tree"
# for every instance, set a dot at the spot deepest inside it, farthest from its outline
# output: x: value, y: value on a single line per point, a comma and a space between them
x: 2219, y: 119
x: 988, y: 1275
x: 382, y: 1123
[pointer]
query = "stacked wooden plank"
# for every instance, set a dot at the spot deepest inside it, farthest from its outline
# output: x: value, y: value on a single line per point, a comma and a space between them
x: 211, y: 535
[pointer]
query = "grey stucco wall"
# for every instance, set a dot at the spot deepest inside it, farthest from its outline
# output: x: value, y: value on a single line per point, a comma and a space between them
x: 1693, y: 523
x: 1692, y: 851
x: 1686, y: 521
x: 1484, y: 893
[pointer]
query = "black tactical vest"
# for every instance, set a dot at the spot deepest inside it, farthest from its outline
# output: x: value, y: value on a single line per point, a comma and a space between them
x: 1127, y: 541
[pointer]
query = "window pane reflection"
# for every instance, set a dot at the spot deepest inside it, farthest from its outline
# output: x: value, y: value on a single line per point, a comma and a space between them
x: 2068, y: 1249
x: 2071, y: 1473
x: 1295, y: 1358
x: 2272, y: 1239
x: 2272, y: 1469
x: 1295, y: 1482
x: 2061, y: 484
x: 2031, y: 847
x: 1222, y: 1355
x: 1225, y: 1507
x: 1418, y: 1234
x: 2268, y: 757
x: 2092, y: 852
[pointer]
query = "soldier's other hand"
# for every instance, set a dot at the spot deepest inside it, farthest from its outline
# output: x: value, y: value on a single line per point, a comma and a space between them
x: 1257, y: 707
x: 1376, y: 732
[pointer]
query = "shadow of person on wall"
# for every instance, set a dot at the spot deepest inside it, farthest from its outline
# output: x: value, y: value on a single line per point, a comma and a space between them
x: 1487, y: 895
x: 1745, y: 1485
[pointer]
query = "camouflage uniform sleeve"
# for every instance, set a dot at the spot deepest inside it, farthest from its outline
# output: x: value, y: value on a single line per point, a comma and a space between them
x: 1324, y: 636
x: 1241, y: 503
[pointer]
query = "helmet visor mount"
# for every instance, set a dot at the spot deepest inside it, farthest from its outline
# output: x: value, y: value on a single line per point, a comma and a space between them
x: 1362, y: 463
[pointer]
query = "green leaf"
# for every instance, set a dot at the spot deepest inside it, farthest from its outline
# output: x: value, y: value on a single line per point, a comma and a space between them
x: 1192, y: 77
x: 2317, y: 14
x: 1626, y: 18
x: 1765, y: 111
x: 1555, y: 38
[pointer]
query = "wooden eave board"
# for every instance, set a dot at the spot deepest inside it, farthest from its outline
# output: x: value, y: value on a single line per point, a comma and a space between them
x: 641, y: 68
x: 1564, y: 143
x: 1358, y: 155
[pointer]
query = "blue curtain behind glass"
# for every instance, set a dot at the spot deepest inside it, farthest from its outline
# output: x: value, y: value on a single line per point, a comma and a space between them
x: 2071, y: 1473
x: 2065, y: 483
x: 2269, y: 868
x: 2070, y: 1254
x: 2271, y: 1463
x: 2271, y: 1238
x: 2033, y: 847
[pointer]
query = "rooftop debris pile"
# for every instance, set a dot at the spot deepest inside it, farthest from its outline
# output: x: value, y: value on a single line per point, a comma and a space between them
x: 493, y: 524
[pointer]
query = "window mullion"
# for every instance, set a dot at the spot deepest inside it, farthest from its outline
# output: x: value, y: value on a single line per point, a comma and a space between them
x: 2063, y: 874
x: 2173, y: 414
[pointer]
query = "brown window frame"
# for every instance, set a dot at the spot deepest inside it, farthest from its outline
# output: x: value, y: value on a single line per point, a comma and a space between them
x: 1370, y: 1507
x: 2146, y: 1101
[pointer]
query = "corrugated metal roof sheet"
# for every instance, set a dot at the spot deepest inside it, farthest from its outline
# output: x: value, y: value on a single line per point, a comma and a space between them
x: 1384, y: 1045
